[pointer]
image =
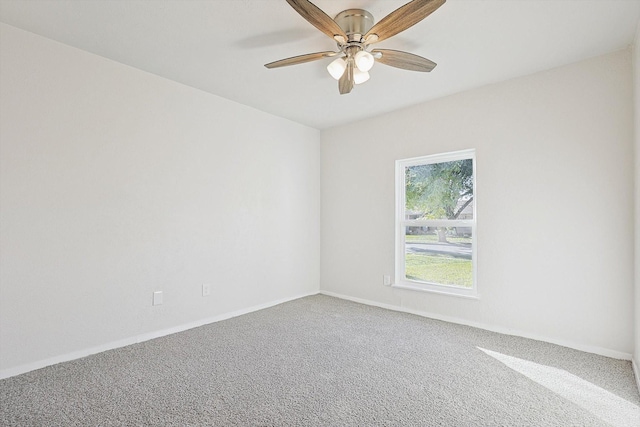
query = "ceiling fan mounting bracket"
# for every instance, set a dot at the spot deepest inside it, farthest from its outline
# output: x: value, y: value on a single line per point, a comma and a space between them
x: 355, y: 23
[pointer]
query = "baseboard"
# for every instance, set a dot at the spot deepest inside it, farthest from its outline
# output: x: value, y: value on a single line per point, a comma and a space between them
x: 21, y: 369
x: 576, y: 346
x: 636, y: 372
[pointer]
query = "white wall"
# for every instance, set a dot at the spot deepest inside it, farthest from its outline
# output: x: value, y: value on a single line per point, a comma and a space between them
x: 636, y: 73
x: 116, y: 183
x: 554, y: 203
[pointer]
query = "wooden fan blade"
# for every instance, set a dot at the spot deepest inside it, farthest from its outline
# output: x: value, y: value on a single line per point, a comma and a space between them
x: 300, y: 59
x: 402, y: 18
x: 346, y: 83
x: 404, y: 60
x: 317, y: 18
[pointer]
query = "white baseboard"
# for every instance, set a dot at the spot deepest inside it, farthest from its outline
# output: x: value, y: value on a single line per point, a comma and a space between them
x: 636, y: 372
x: 576, y: 346
x: 21, y: 369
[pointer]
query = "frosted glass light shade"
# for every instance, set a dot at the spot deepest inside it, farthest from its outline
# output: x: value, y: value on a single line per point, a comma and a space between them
x: 336, y: 68
x: 364, y: 60
x: 360, y: 76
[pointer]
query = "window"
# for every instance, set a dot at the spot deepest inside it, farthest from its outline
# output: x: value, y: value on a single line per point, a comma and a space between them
x: 436, y: 223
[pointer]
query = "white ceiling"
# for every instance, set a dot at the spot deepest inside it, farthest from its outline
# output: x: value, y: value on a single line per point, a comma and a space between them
x: 220, y: 46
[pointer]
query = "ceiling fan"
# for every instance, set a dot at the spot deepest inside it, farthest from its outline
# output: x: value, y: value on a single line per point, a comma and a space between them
x: 354, y: 31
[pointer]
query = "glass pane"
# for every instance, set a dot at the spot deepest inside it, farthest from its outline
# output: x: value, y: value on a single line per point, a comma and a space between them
x: 439, y: 255
x: 439, y: 190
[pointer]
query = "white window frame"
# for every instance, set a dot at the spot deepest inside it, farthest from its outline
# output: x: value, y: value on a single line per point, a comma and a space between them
x: 401, y: 280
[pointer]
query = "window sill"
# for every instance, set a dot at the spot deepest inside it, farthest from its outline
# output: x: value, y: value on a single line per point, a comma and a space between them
x: 439, y: 289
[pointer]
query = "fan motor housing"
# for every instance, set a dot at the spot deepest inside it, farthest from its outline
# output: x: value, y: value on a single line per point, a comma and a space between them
x: 355, y: 23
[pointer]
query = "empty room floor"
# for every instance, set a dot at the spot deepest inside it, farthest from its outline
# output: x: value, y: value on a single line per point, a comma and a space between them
x: 323, y: 361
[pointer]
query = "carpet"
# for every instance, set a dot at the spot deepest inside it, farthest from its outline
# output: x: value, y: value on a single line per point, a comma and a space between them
x: 323, y: 361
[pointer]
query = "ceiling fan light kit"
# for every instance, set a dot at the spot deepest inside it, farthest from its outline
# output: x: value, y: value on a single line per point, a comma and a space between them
x: 337, y: 67
x: 364, y: 60
x: 354, y: 30
x: 360, y: 76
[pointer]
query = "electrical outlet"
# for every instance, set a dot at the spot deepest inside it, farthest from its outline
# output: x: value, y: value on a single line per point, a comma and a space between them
x: 157, y: 298
x: 206, y: 290
x: 386, y: 280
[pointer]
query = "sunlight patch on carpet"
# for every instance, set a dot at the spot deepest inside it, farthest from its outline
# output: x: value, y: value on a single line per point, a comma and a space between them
x: 598, y: 401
